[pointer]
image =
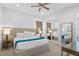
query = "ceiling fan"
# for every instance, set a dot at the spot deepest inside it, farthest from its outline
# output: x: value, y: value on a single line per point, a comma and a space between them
x: 41, y: 5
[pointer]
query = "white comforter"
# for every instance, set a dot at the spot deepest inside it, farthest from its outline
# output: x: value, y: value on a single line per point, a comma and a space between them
x: 31, y: 44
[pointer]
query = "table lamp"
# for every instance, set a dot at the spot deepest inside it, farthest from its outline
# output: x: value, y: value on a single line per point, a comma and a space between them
x: 6, y: 32
x: 40, y: 32
x: 50, y: 32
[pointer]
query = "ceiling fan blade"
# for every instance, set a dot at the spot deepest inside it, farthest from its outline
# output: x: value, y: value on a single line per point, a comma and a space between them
x: 34, y: 6
x: 39, y: 4
x: 39, y: 9
x: 45, y: 7
x: 45, y: 3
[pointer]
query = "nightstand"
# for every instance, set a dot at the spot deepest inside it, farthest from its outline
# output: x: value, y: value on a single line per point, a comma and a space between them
x: 7, y: 44
x: 49, y: 37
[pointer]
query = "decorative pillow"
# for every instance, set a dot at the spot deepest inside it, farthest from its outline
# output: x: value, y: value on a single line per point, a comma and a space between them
x: 42, y: 35
x: 37, y: 35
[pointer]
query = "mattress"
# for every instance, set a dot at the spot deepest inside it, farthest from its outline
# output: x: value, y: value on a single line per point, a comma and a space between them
x: 30, y: 44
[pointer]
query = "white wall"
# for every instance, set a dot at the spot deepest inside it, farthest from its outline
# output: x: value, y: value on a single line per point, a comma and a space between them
x: 13, y: 18
x: 0, y: 15
x: 0, y: 27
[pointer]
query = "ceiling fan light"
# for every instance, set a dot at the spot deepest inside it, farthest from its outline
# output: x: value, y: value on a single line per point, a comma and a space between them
x: 17, y: 5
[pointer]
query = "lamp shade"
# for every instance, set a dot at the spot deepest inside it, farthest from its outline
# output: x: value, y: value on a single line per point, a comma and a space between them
x: 50, y: 31
x: 6, y: 31
x: 40, y: 32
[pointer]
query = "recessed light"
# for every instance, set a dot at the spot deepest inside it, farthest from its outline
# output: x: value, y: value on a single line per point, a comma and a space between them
x: 17, y: 5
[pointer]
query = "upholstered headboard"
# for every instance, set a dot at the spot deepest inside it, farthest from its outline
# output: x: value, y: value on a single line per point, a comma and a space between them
x: 18, y: 30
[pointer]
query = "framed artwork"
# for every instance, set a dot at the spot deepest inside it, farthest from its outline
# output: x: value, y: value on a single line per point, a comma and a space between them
x: 39, y: 26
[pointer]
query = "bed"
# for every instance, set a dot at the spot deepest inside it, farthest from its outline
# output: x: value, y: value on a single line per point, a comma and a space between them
x: 30, y: 45
x: 0, y: 42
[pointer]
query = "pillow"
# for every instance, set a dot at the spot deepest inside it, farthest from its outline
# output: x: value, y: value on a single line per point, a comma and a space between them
x: 25, y: 35
x: 37, y: 35
x: 29, y: 34
x: 42, y: 35
x: 19, y: 35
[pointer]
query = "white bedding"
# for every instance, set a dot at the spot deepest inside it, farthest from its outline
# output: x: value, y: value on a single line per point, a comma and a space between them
x: 31, y: 44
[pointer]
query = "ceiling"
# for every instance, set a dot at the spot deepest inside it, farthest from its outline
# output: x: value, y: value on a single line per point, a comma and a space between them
x: 25, y: 7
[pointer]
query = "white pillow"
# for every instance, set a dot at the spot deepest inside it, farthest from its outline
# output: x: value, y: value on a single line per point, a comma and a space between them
x: 25, y: 35
x: 29, y: 34
x: 19, y: 35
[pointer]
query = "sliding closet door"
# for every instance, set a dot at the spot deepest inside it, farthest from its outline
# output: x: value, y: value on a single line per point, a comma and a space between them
x: 39, y: 26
